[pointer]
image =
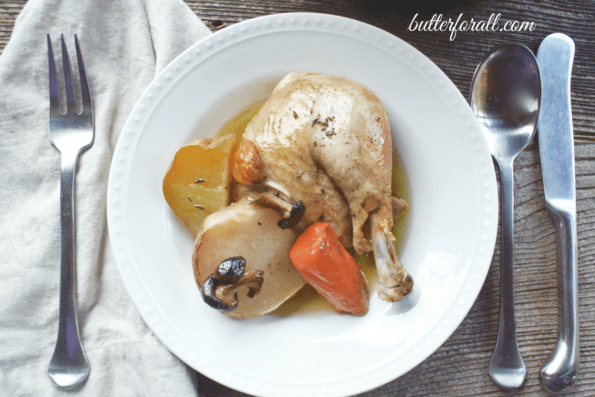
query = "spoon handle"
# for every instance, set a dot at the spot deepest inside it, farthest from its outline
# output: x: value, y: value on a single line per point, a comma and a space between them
x: 507, y: 368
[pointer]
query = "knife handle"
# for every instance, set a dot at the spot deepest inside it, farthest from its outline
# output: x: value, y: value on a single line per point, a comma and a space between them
x: 555, y: 57
x: 561, y: 369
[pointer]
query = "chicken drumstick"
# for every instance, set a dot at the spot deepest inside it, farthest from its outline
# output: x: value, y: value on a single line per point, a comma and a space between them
x: 326, y: 142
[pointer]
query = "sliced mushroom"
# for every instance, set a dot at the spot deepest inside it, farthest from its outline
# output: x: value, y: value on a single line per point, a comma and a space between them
x: 220, y: 289
x: 210, y: 297
x: 248, y: 230
x: 294, y: 216
x: 292, y: 213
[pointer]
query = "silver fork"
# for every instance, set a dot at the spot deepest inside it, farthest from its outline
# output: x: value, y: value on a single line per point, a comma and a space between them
x: 70, y: 133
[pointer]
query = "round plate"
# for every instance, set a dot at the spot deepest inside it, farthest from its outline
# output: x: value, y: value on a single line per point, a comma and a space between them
x: 451, y: 227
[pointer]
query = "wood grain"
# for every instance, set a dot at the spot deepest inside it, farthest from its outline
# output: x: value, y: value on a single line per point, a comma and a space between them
x: 459, y: 366
x: 8, y: 13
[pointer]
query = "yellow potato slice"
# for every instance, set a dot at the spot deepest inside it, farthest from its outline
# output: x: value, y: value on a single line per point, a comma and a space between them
x: 197, y: 182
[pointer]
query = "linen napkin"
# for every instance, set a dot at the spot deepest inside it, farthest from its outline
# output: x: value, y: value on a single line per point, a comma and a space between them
x: 125, y: 44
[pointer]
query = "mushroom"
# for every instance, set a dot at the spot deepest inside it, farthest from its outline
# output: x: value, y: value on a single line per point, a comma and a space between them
x: 248, y: 230
x: 292, y: 213
x: 220, y: 289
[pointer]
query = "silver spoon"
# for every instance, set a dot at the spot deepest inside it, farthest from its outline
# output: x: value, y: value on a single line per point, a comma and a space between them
x: 505, y: 98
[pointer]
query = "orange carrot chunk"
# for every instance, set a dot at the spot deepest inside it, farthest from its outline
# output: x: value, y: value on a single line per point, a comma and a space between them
x: 330, y: 269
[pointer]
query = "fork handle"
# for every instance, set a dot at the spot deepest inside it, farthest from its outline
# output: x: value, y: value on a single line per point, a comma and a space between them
x: 68, y: 317
x: 69, y: 350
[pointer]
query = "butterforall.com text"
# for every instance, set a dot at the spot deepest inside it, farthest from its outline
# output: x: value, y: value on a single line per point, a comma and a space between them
x: 493, y: 24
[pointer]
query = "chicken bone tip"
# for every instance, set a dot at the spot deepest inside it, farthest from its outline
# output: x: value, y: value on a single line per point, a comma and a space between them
x: 397, y: 292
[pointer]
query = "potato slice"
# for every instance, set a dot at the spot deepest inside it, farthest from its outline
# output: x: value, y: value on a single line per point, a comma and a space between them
x: 250, y: 231
x: 197, y: 182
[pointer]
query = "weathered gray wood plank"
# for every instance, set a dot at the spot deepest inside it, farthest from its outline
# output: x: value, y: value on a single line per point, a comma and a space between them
x: 459, y: 366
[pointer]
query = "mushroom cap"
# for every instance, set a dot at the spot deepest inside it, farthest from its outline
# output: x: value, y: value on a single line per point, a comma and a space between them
x: 250, y: 231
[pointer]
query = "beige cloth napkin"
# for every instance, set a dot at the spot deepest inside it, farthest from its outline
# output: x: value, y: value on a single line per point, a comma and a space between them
x: 125, y: 44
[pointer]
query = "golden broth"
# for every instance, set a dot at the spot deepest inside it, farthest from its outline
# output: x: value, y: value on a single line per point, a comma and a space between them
x: 307, y: 299
x: 238, y: 124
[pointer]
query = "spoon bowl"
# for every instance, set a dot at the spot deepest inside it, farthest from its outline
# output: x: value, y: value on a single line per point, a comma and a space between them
x: 505, y: 98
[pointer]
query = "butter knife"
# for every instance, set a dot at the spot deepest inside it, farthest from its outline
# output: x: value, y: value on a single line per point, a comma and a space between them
x: 556, y: 150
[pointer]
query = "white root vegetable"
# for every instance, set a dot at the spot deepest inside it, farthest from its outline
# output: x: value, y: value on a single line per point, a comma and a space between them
x: 249, y: 230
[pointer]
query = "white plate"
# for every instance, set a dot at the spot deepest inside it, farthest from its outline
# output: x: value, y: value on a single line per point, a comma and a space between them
x: 447, y: 248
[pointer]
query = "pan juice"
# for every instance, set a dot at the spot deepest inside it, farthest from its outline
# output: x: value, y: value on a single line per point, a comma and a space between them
x: 307, y: 300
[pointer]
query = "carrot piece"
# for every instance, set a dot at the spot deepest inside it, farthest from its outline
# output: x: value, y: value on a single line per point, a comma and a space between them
x: 330, y: 269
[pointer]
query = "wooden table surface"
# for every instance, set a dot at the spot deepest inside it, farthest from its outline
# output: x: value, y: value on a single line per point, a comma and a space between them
x: 459, y: 366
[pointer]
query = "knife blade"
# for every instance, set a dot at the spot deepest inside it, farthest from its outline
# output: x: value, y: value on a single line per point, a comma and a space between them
x: 556, y: 150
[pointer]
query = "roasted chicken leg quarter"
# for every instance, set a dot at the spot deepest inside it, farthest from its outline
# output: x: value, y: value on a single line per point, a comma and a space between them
x: 326, y: 142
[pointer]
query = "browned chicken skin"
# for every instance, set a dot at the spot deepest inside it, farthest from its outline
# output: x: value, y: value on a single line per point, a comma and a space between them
x: 326, y: 141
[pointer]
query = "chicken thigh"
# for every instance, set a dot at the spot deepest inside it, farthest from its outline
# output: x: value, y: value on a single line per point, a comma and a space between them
x: 326, y: 142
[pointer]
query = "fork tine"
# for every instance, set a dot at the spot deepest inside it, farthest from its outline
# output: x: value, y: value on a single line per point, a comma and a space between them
x: 70, y: 104
x: 54, y: 98
x: 85, y: 93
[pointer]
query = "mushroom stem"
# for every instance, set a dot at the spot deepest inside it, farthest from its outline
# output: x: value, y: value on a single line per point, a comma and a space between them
x: 292, y: 213
x: 274, y: 185
x: 270, y: 200
x: 229, y: 292
x: 394, y: 280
